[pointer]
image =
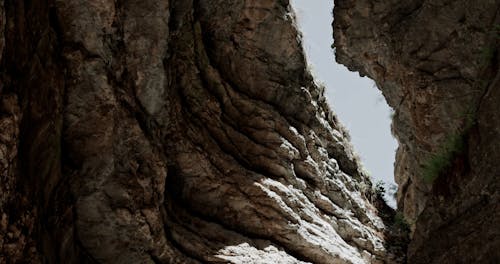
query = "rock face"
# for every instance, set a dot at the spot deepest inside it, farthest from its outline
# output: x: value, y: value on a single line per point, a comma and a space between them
x: 155, y: 131
x: 437, y: 64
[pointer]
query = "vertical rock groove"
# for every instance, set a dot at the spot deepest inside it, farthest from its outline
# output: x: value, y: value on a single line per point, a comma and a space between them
x: 160, y: 131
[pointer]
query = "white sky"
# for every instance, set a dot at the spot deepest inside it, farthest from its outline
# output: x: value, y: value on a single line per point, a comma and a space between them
x: 358, y: 103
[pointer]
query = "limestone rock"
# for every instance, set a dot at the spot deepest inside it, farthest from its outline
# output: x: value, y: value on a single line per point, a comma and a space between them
x: 176, y: 131
x: 436, y: 62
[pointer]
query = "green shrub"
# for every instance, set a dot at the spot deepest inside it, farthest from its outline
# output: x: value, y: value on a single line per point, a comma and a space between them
x: 400, y: 222
x: 441, y: 160
x: 450, y: 149
x: 380, y: 189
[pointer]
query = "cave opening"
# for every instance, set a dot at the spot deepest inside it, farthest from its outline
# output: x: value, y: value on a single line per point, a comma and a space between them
x: 356, y: 100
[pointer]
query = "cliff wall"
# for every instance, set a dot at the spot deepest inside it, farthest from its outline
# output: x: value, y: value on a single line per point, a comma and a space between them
x: 437, y: 64
x: 178, y: 131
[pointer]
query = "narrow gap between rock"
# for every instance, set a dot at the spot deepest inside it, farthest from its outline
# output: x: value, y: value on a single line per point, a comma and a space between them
x: 356, y: 100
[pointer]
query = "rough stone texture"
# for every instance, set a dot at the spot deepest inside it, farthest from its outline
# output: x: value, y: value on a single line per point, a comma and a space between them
x: 436, y: 63
x: 155, y: 131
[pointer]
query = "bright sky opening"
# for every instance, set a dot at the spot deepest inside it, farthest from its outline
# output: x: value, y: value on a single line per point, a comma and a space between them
x: 358, y: 103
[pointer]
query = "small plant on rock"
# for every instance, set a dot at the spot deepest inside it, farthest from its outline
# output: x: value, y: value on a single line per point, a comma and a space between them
x: 400, y: 222
x: 442, y: 160
x: 453, y: 146
x: 380, y: 189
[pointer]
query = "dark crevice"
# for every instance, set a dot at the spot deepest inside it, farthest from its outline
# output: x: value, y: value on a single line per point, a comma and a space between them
x: 174, y: 186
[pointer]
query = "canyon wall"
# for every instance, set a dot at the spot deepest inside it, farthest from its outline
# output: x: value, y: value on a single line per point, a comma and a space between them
x: 437, y: 64
x: 181, y: 131
x: 188, y: 131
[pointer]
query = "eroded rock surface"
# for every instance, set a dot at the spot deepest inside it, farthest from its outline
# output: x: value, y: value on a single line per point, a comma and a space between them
x: 436, y: 63
x: 176, y: 131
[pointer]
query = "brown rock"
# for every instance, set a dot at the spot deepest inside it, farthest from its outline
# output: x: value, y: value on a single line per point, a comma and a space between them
x: 173, y: 132
x: 436, y: 64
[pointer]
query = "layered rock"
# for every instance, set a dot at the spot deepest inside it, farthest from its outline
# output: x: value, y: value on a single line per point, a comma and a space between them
x: 436, y: 62
x: 177, y: 131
